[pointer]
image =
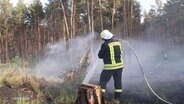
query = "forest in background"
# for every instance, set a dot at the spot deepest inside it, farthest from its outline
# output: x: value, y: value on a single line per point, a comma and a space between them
x: 26, y: 29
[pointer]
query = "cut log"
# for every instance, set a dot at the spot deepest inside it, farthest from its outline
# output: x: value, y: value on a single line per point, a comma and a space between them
x: 89, y: 94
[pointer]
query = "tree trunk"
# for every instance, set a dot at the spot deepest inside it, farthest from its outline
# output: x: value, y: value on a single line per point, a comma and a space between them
x: 6, y: 39
x: 130, y: 16
x: 92, y: 17
x: 124, y: 19
x: 113, y: 13
x: 7, y: 56
x: 65, y: 21
x: 101, y: 18
x: 71, y: 19
x: 74, y: 18
x: 89, y: 16
x: 89, y: 94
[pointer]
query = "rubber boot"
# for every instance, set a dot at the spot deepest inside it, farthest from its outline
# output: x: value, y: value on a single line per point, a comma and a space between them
x: 117, y: 95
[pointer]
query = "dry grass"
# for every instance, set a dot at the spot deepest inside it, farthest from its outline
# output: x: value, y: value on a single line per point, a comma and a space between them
x: 35, y: 89
x: 18, y: 86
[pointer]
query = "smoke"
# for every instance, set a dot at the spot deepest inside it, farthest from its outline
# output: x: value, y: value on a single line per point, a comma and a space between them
x: 60, y: 58
x: 161, y: 65
x: 95, y: 66
x: 94, y: 70
x: 153, y: 57
x: 158, y: 68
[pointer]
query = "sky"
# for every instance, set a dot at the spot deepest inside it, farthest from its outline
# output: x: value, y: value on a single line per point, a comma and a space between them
x: 27, y: 1
x: 146, y: 4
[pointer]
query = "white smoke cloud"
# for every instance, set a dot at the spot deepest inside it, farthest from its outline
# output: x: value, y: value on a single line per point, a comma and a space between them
x: 60, y: 59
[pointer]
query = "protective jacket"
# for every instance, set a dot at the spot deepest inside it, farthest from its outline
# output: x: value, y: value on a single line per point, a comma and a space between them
x: 111, y: 53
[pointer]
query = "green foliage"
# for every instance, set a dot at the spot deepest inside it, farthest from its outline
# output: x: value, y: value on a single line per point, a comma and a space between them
x: 6, y: 18
x: 166, y: 23
x: 22, y: 101
x: 17, y: 61
x: 67, y: 97
x: 35, y: 12
x: 35, y: 26
x: 6, y: 8
x: 20, y: 11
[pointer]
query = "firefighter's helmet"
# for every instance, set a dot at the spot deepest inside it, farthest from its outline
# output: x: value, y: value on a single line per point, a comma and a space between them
x: 106, y: 34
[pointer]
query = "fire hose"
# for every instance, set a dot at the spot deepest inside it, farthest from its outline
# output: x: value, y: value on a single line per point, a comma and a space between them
x: 145, y: 78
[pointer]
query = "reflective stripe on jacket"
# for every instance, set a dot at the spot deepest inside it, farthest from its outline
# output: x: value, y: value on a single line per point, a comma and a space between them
x: 111, y: 53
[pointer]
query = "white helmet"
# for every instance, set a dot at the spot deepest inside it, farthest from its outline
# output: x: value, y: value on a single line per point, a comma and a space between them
x: 106, y: 35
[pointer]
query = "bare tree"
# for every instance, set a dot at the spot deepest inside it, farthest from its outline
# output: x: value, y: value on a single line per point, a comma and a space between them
x: 89, y: 16
x: 113, y: 13
x: 65, y: 21
x: 101, y: 18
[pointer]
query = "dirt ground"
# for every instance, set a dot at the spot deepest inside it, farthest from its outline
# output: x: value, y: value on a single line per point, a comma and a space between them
x: 13, y: 95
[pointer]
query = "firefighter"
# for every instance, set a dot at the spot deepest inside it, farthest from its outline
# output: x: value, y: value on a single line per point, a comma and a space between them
x: 111, y: 53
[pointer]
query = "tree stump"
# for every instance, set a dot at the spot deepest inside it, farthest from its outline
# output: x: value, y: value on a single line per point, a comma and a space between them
x: 89, y: 94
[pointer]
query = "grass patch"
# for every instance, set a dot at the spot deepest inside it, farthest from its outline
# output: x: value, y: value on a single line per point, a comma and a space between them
x: 36, y: 89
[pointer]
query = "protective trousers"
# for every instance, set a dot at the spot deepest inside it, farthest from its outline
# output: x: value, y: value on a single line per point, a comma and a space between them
x: 105, y: 77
